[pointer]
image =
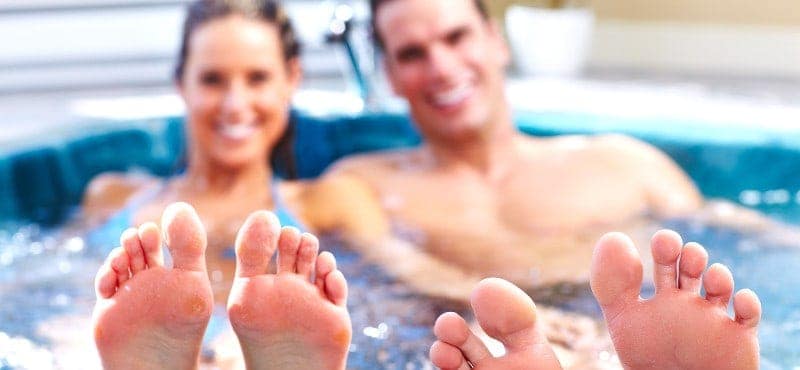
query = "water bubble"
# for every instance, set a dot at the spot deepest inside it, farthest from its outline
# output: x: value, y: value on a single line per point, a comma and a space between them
x: 780, y: 196
x: 381, y: 332
x: 19, y: 237
x: 65, y: 267
x: 60, y: 300
x: 6, y: 258
x: 36, y: 248
x: 74, y: 245
x: 750, y: 197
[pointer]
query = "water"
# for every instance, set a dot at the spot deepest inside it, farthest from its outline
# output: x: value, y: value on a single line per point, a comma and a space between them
x: 47, y: 276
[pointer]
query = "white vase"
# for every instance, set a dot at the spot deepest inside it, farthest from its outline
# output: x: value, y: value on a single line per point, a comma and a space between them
x: 549, y: 42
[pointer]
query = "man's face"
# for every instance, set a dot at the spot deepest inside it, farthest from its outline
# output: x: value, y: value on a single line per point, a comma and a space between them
x: 447, y: 61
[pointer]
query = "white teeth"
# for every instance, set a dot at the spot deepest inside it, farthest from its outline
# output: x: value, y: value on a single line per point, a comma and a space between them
x: 236, y: 131
x: 453, y: 96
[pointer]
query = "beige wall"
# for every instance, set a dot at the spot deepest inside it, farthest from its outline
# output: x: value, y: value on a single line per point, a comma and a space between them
x: 753, y: 12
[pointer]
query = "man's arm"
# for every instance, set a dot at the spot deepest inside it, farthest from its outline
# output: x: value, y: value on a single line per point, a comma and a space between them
x: 668, y: 190
x: 671, y: 193
x: 349, y: 208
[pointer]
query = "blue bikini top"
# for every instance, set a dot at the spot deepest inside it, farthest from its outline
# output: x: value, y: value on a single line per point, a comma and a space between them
x: 106, y: 236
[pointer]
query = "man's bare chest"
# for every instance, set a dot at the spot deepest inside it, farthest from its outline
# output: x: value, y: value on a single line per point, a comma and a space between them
x: 516, y: 208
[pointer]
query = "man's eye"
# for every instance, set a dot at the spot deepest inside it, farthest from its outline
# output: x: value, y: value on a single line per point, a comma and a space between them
x: 258, y: 77
x: 455, y: 37
x: 210, y: 79
x: 411, y: 54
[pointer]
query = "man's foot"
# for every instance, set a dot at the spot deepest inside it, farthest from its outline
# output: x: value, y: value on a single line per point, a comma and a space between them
x: 287, y: 320
x: 505, y: 313
x: 677, y: 328
x: 148, y: 316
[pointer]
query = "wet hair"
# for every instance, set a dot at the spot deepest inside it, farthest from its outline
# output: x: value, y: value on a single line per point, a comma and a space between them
x: 272, y: 12
x: 375, y: 5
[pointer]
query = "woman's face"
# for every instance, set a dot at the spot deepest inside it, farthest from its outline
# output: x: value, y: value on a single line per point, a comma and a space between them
x: 237, y: 88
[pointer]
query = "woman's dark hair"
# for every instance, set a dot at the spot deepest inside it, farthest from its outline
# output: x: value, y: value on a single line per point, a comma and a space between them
x: 374, y: 5
x: 201, y: 12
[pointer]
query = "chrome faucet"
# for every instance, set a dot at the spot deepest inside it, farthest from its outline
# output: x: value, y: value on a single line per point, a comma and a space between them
x: 352, y: 33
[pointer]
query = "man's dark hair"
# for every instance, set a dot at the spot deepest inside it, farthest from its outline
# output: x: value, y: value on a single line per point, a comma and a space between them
x: 374, y: 5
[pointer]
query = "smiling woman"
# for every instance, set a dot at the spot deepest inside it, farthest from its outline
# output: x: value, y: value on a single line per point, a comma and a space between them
x: 237, y: 70
x: 237, y: 86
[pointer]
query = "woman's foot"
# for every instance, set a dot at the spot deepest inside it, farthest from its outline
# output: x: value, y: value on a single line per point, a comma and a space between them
x: 677, y: 328
x: 505, y: 313
x: 297, y: 318
x: 148, y: 316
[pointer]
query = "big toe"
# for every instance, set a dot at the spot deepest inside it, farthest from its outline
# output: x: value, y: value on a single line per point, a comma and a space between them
x: 506, y: 313
x: 616, y: 273
x: 185, y: 237
x: 256, y: 243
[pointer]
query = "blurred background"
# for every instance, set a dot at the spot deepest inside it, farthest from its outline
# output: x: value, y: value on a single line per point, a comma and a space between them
x: 64, y: 59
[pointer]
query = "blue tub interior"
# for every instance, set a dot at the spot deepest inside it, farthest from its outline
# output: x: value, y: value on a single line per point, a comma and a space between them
x: 43, y: 183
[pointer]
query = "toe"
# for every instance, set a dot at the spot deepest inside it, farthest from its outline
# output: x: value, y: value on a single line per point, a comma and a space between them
x: 451, y: 329
x: 447, y: 357
x: 120, y: 264
x: 616, y: 273
x: 105, y: 282
x: 747, y: 307
x: 694, y: 259
x: 150, y: 237
x: 336, y: 288
x: 718, y: 283
x: 666, y: 248
x: 307, y: 255
x: 256, y: 242
x: 507, y: 314
x: 326, y: 264
x: 185, y: 237
x: 288, y: 245
x: 130, y: 242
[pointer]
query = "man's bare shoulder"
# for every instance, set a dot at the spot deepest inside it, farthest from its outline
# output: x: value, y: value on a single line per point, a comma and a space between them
x: 606, y: 145
x: 623, y: 144
x: 637, y: 153
x: 368, y: 165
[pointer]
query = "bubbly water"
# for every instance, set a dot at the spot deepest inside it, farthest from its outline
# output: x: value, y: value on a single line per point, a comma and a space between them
x: 47, y: 276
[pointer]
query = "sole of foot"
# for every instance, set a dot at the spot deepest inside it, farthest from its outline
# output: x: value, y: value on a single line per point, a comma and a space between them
x: 677, y: 328
x: 296, y: 318
x: 149, y: 316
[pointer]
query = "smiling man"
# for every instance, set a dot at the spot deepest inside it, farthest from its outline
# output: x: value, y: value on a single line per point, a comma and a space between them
x: 478, y: 194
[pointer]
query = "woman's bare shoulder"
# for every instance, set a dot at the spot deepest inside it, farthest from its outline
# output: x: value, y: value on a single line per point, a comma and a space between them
x: 109, y: 192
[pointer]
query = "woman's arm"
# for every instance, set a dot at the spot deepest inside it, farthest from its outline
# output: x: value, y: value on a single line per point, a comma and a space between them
x: 107, y: 193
